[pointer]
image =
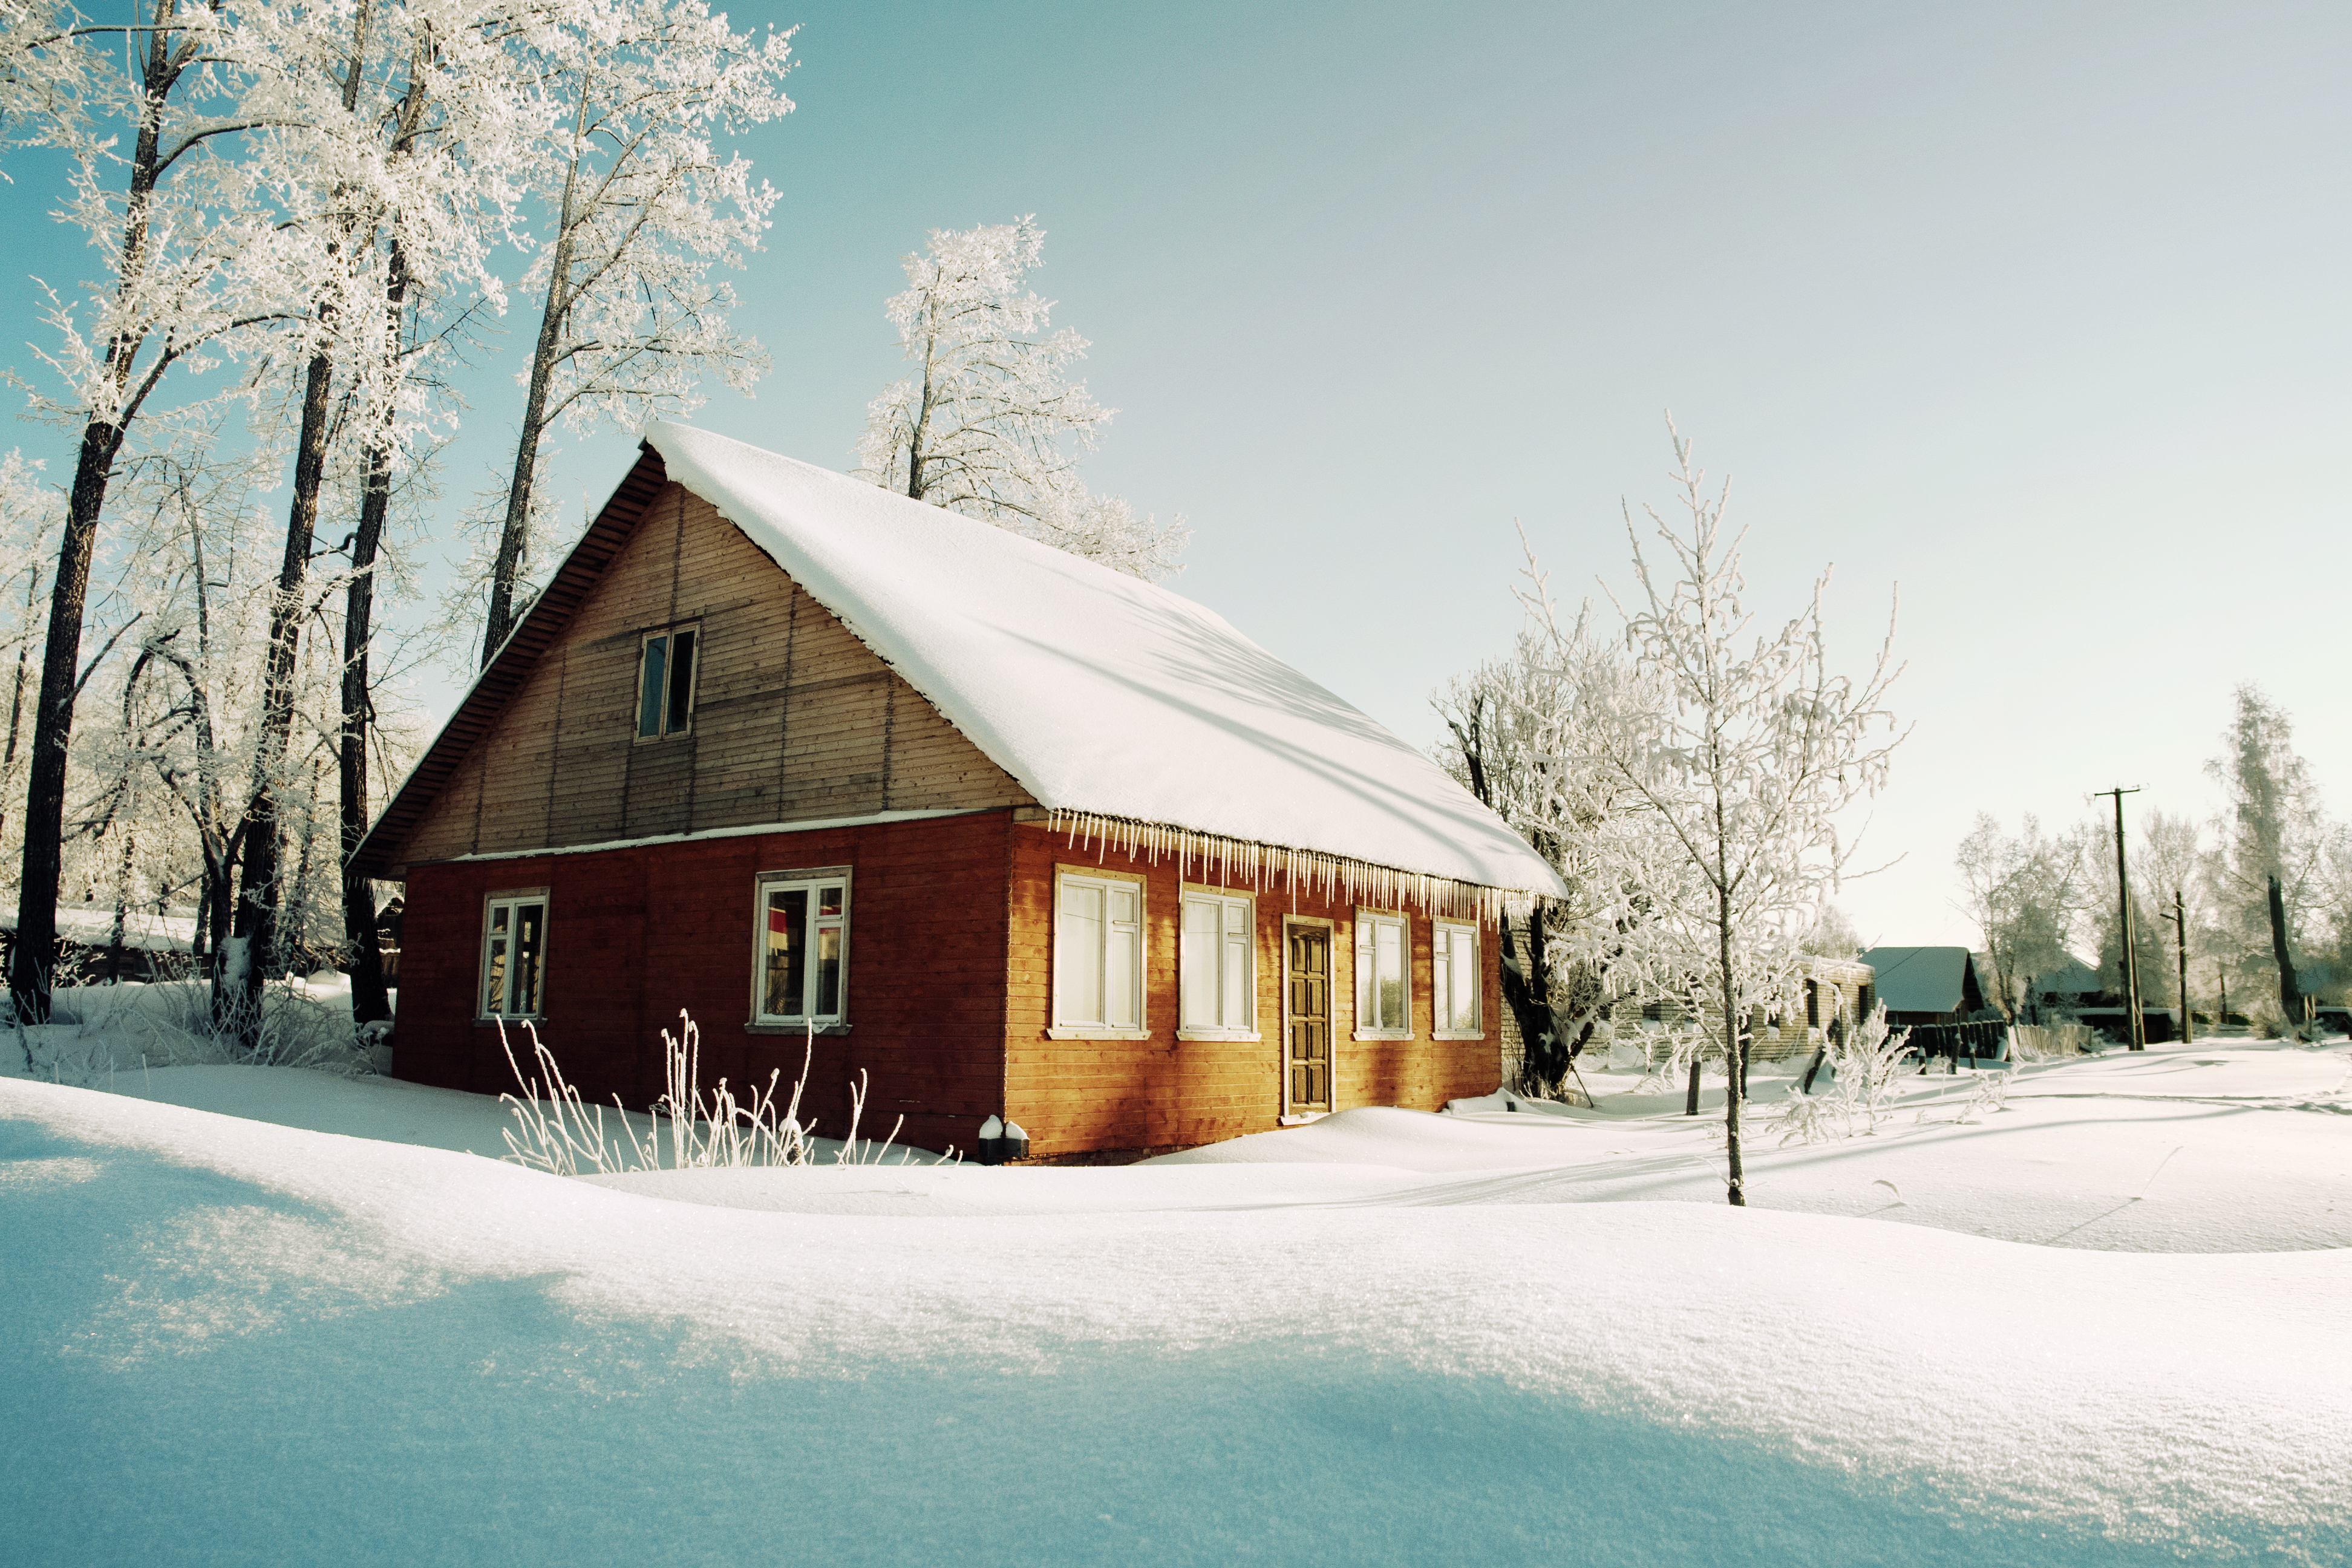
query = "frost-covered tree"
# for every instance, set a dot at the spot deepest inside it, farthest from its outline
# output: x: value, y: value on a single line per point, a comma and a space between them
x: 145, y: 115
x: 2025, y: 894
x: 2272, y: 839
x: 1517, y: 727
x: 395, y: 141
x: 1831, y: 935
x: 643, y: 210
x: 30, y: 510
x: 990, y: 423
x: 1744, y: 750
x: 2167, y: 862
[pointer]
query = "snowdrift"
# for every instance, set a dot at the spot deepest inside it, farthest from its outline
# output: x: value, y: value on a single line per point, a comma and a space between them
x: 234, y: 1341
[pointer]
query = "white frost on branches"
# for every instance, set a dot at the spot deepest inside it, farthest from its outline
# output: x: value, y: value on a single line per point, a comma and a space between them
x: 990, y: 424
x: 1731, y: 754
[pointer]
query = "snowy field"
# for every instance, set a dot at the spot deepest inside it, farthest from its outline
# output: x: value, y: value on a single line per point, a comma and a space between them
x: 277, y: 1315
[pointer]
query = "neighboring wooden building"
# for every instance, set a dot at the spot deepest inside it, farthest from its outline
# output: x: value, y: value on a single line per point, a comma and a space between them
x: 1923, y: 986
x: 1837, y: 994
x: 1013, y: 834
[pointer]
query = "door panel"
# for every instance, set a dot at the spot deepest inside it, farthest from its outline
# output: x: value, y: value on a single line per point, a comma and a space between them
x: 1307, y: 1011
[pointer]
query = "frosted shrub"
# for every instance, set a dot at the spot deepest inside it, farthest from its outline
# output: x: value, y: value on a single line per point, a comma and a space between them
x: 559, y: 1132
x: 1989, y: 1098
x: 1865, y: 1066
x: 123, y: 1025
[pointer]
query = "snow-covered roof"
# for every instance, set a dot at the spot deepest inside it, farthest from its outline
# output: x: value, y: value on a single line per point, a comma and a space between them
x: 1100, y: 693
x: 2072, y: 978
x: 1920, y: 978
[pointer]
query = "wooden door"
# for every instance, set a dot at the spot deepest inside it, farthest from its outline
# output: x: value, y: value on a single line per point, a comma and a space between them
x: 1307, y: 1014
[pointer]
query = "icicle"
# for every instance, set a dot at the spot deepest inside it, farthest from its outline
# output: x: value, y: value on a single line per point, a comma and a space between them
x: 1232, y: 862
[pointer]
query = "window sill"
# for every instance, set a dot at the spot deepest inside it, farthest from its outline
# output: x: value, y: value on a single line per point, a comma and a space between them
x: 1094, y: 1032
x: 518, y: 1018
x: 1381, y: 1034
x: 768, y: 1026
x: 1459, y: 1035
x: 1301, y: 1118
x: 1250, y: 1035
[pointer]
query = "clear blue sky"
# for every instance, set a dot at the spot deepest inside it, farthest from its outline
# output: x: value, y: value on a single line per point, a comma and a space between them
x: 2038, y: 310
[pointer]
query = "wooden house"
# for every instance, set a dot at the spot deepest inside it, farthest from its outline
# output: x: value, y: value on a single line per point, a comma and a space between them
x: 1007, y: 832
x: 1927, y: 986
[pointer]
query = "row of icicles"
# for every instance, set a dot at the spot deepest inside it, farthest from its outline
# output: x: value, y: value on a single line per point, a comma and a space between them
x: 1234, y: 863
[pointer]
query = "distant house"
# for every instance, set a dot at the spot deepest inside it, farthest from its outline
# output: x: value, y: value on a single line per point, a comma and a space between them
x: 1838, y: 994
x: 1010, y: 833
x: 2068, y: 985
x: 1926, y: 985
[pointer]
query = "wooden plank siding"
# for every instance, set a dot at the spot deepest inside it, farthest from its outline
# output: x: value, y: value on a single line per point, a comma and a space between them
x: 795, y: 718
x: 1081, y: 1096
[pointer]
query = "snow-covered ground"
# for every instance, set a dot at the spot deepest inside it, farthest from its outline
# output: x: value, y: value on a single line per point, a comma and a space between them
x: 263, y: 1314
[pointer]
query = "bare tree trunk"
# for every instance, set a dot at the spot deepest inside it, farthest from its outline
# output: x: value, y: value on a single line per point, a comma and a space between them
x: 1736, y: 1055
x: 370, y: 1000
x: 44, y: 788
x: 120, y: 936
x: 2290, y: 992
x: 255, y: 929
x: 508, y: 567
x: 102, y: 439
x: 16, y: 695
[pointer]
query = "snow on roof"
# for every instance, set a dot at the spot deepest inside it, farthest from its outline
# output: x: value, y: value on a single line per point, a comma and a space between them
x: 2072, y: 978
x: 1100, y: 693
x: 1920, y: 978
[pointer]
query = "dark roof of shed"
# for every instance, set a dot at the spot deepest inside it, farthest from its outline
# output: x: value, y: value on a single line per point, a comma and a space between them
x: 1921, y: 979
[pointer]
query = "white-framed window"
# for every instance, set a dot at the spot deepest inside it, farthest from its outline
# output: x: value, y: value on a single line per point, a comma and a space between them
x: 514, y: 955
x: 800, y: 963
x: 1098, y: 956
x: 1383, y: 976
x: 666, y: 671
x: 1455, y: 984
x: 1215, y: 964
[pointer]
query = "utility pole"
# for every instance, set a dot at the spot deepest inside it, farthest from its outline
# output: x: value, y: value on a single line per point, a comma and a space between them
x: 2179, y: 919
x: 2137, y: 1036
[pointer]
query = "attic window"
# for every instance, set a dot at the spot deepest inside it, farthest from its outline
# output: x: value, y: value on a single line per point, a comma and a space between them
x: 665, y: 682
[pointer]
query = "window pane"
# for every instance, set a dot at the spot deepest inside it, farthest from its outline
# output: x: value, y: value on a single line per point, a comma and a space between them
x: 1237, y: 989
x: 1121, y: 963
x: 1462, y: 984
x: 828, y: 900
x: 1078, y: 955
x: 530, y: 955
x: 828, y: 971
x: 1388, y: 944
x: 681, y: 681
x: 1197, y: 963
x: 1366, y: 1016
x: 787, y: 953
x: 649, y: 688
x: 493, y: 972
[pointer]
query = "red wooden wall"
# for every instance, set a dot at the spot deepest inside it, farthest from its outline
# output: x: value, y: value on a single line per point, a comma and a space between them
x: 633, y: 935
x: 950, y: 947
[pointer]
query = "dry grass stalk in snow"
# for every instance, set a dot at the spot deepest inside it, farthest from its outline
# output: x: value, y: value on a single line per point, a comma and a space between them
x: 2046, y: 1042
x: 559, y: 1132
